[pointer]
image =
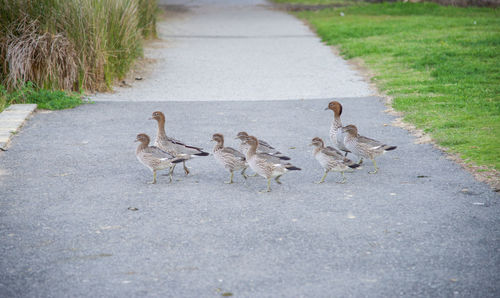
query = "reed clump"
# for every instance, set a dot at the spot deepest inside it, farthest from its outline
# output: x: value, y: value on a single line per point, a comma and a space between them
x: 72, y: 44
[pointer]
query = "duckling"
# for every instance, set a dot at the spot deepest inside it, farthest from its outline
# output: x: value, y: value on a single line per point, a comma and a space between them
x: 363, y: 146
x: 153, y: 157
x: 263, y: 147
x: 229, y: 158
x: 172, y: 145
x: 331, y: 159
x: 267, y: 166
x: 336, y: 134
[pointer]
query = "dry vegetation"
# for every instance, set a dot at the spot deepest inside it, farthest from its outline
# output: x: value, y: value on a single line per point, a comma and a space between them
x: 71, y: 44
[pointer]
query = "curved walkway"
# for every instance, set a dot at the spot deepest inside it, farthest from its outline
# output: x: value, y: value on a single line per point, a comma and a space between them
x: 77, y: 218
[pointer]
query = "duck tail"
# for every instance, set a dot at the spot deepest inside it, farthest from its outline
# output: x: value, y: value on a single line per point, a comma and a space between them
x: 202, y: 153
x: 389, y: 148
x: 281, y: 156
x: 353, y: 166
x: 178, y: 160
x: 293, y: 168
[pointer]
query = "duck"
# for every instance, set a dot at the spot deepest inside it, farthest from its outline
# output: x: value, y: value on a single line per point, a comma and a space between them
x: 266, y: 165
x: 263, y: 147
x: 331, y: 159
x: 336, y: 134
x: 171, y: 145
x: 364, y: 147
x: 154, y: 158
x: 230, y: 158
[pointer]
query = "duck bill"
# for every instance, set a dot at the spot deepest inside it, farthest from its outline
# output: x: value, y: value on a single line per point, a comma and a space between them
x: 326, y: 109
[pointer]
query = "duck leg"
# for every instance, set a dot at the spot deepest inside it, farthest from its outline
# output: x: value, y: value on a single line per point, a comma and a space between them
x: 277, y: 179
x: 360, y: 162
x: 268, y: 186
x: 323, y: 178
x: 230, y: 178
x: 343, y: 178
x: 243, y: 173
x: 186, y: 170
x: 376, y: 168
x: 154, y: 178
x: 170, y: 172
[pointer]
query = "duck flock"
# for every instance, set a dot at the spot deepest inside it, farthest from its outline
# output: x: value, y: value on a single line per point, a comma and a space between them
x: 259, y: 155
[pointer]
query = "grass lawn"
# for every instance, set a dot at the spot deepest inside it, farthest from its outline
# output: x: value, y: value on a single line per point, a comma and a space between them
x: 314, y: 2
x: 45, y: 99
x: 440, y: 64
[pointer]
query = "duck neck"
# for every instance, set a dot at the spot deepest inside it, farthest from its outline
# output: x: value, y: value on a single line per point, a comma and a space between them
x: 252, y: 150
x: 161, y: 128
x: 316, y: 150
x: 219, y: 146
x: 141, y: 147
x: 336, y: 120
x: 350, y: 137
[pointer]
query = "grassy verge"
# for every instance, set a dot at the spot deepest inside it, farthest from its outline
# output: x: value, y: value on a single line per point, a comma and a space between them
x: 71, y: 44
x: 45, y: 99
x: 440, y: 64
x: 315, y: 2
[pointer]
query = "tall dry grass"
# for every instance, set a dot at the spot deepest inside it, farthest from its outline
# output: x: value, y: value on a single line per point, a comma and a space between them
x: 72, y: 44
x: 44, y: 58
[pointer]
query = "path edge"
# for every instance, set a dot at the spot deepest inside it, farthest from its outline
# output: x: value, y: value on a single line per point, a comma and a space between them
x: 484, y: 174
x: 11, y: 121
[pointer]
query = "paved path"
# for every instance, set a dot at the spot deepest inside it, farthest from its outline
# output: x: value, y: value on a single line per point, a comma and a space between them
x: 421, y: 227
x: 240, y: 50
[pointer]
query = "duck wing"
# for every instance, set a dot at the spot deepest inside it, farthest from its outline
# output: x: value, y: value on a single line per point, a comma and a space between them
x: 234, y: 152
x: 271, y: 158
x: 187, y: 149
x: 337, y: 155
x: 330, y: 151
x: 266, y: 145
x: 156, y: 152
x: 370, y: 143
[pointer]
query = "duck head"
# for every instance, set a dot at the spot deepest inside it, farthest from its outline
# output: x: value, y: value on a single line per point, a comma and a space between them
x: 242, y: 135
x: 317, y: 142
x: 336, y: 107
x: 158, y: 116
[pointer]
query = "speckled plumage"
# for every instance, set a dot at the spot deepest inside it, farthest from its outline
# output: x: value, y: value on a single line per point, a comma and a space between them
x: 364, y: 147
x: 171, y: 145
x: 230, y: 158
x: 153, y: 157
x: 336, y: 133
x: 331, y: 159
x: 263, y: 147
x: 265, y: 165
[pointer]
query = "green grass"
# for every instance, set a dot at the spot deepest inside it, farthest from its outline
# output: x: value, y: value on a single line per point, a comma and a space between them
x: 3, y: 98
x: 45, y: 99
x: 440, y: 64
x: 73, y: 45
x: 315, y: 2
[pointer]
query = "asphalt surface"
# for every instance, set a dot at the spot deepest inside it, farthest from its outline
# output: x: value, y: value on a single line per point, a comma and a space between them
x: 239, y: 50
x: 78, y: 219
